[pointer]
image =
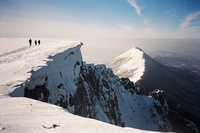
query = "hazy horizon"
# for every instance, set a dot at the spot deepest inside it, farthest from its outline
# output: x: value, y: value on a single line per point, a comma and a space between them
x: 104, y: 51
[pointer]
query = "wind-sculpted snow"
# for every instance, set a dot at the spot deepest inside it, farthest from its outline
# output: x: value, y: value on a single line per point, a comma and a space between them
x: 60, y: 73
x: 130, y: 64
x: 17, y: 66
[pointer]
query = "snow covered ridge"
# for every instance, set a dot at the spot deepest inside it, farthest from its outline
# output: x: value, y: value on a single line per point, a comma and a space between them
x: 182, y: 88
x: 55, y: 73
x: 91, y: 91
x: 17, y: 66
x: 22, y: 115
x: 131, y: 64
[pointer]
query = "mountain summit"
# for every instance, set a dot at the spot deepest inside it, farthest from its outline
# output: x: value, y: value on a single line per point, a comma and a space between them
x: 183, y: 94
x: 131, y: 64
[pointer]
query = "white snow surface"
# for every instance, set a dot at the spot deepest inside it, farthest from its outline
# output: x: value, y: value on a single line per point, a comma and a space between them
x: 17, y: 66
x: 22, y: 115
x: 130, y: 64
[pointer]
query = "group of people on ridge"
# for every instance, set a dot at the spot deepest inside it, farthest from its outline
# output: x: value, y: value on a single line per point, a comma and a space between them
x: 36, y: 42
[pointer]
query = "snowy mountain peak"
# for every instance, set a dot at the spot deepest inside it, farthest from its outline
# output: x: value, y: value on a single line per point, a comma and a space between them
x: 150, y: 75
x: 131, y: 64
x: 55, y: 73
x: 139, y: 48
x: 135, y: 51
x: 58, y: 75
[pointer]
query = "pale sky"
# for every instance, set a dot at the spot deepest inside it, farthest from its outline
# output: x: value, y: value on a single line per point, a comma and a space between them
x: 106, y: 27
x: 120, y: 19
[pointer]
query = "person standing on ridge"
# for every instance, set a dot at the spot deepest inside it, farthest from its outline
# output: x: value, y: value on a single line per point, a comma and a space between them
x: 35, y: 42
x: 39, y: 42
x: 30, y: 41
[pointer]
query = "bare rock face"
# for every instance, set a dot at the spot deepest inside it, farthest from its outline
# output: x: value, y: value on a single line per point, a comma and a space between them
x: 40, y: 92
x: 128, y: 85
x: 95, y: 91
x: 160, y: 96
x: 179, y: 123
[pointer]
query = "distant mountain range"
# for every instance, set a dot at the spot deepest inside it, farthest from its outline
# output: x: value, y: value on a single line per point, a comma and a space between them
x: 183, y: 61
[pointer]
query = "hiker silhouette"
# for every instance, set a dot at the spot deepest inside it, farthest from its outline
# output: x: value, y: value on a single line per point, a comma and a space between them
x: 35, y: 42
x: 39, y: 42
x: 30, y: 41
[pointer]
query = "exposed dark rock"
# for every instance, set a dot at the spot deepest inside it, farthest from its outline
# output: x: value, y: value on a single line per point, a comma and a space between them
x: 60, y: 85
x: 180, y: 124
x: 40, y: 92
x: 161, y: 97
x: 93, y: 88
x: 129, y: 85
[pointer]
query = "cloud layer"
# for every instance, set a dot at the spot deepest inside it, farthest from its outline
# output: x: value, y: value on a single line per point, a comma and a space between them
x: 186, y: 24
x: 138, y: 10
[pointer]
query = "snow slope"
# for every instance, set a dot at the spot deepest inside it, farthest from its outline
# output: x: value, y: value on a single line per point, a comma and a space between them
x: 182, y: 92
x: 130, y: 64
x: 18, y: 65
x: 93, y: 91
x: 19, y: 114
x: 22, y: 115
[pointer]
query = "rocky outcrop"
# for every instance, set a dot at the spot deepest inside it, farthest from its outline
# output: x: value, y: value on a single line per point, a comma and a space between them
x: 96, y: 94
x: 94, y: 91
x: 181, y: 87
x: 160, y: 96
x: 179, y: 124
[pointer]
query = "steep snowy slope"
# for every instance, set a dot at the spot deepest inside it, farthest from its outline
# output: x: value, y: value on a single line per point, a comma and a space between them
x: 130, y: 64
x: 17, y: 66
x: 183, y: 95
x: 55, y: 73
